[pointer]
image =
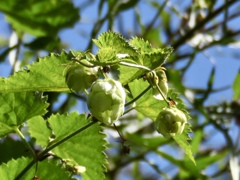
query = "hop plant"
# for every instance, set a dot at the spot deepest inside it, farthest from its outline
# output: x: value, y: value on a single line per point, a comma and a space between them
x: 158, y: 77
x: 162, y: 83
x: 170, y: 121
x: 106, y: 100
x: 79, y: 77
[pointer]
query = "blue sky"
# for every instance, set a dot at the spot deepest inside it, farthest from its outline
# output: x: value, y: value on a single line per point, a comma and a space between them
x: 225, y: 58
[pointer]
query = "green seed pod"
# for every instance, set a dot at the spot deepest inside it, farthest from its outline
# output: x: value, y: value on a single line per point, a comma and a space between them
x: 78, y: 77
x: 170, y: 121
x: 106, y: 100
x: 162, y: 83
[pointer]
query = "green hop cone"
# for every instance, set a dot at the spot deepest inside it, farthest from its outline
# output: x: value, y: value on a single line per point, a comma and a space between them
x: 171, y: 121
x: 106, y: 100
x: 79, y: 77
x: 162, y: 83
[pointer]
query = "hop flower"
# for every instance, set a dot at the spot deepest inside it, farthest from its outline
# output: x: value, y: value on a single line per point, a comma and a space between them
x: 158, y: 77
x: 79, y: 77
x: 162, y: 83
x: 170, y: 121
x: 106, y: 100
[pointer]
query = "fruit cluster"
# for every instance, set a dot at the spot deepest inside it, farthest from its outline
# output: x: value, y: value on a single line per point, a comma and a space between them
x: 106, y: 97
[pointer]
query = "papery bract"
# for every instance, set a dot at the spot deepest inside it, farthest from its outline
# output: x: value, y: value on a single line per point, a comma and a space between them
x: 171, y: 121
x: 79, y: 77
x: 106, y: 100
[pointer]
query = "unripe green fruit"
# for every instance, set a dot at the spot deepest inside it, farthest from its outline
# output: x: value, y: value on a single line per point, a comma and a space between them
x: 162, y: 83
x: 171, y: 121
x: 79, y: 77
x: 106, y: 100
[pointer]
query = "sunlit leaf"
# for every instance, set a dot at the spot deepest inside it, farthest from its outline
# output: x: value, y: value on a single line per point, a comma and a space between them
x: 147, y: 104
x: 45, y: 75
x: 39, y: 130
x: 83, y: 148
x: 116, y: 42
x: 39, y: 18
x: 182, y: 140
x: 17, y: 108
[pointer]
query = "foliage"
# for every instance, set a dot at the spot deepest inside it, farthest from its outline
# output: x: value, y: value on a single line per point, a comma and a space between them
x: 40, y: 133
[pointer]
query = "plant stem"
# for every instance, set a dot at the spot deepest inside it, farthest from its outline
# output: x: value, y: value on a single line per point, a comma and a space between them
x: 137, y: 97
x: 26, y: 143
x: 65, y: 139
x: 134, y: 65
x: 86, y: 65
x: 40, y: 155
x: 35, y: 159
x: 164, y: 98
x: 201, y: 24
x: 128, y: 110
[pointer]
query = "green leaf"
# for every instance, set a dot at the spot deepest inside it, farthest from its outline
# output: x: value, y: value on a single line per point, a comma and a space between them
x: 17, y: 108
x: 141, y: 45
x: 147, y: 104
x: 196, y: 142
x: 187, y: 170
x: 10, y: 170
x: 39, y: 130
x: 11, y: 149
x: 45, y: 170
x: 179, y: 102
x: 236, y: 87
x: 182, y: 140
x: 128, y: 74
x: 70, y: 122
x: 148, y: 142
x: 116, y: 42
x: 45, y: 75
x: 106, y: 56
x: 205, y: 161
x: 157, y: 57
x: 150, y: 57
x: 40, y: 18
x: 83, y: 148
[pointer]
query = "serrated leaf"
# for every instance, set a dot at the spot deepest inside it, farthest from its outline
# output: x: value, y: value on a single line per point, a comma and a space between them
x: 83, y: 148
x: 11, y: 149
x: 70, y: 122
x: 45, y: 170
x: 182, y: 140
x: 17, y: 108
x: 45, y: 75
x: 107, y: 56
x: 116, y: 41
x: 141, y: 45
x: 179, y: 102
x: 157, y: 57
x: 128, y: 74
x: 40, y: 18
x: 47, y: 167
x: 14, y: 167
x: 39, y: 130
x: 147, y: 104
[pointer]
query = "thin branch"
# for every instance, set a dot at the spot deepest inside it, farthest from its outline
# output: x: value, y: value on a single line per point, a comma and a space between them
x: 202, y: 23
